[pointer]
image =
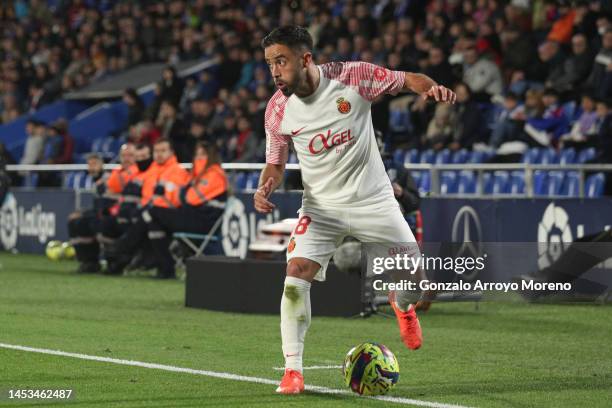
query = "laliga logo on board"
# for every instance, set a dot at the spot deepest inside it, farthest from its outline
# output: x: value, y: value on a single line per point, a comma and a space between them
x: 15, y: 221
x: 321, y: 142
x: 553, y: 230
x: 8, y: 222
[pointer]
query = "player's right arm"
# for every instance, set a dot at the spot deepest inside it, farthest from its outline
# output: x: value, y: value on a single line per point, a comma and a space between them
x: 271, y: 177
x: 277, y: 151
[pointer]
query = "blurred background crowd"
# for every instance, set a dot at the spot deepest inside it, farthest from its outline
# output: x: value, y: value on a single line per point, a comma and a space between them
x: 526, y: 72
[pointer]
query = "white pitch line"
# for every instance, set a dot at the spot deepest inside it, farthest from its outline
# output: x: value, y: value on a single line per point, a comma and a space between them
x: 225, y: 376
x: 327, y: 367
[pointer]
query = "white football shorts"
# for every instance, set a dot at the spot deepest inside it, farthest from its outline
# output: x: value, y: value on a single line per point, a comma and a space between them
x: 320, y: 231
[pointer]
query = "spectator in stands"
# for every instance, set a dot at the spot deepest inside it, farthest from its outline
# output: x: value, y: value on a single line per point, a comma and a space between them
x: 585, y: 128
x: 602, y: 67
x: 190, y: 93
x: 33, y: 150
x: 549, y: 57
x: 197, y: 133
x: 481, y: 75
x: 467, y: 121
x: 438, y: 68
x: 9, y: 108
x: 546, y: 128
x: 135, y: 106
x: 566, y: 76
x: 604, y: 135
x: 247, y: 144
x: 439, y: 130
x: 510, y: 121
x: 518, y: 50
x: 57, y: 150
x: 171, y: 86
x: 209, y: 86
x: 172, y: 128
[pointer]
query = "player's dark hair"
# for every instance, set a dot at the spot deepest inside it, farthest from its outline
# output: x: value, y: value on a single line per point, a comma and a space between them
x: 293, y: 36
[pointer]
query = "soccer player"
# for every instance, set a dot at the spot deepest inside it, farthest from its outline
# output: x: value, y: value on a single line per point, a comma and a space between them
x: 324, y: 111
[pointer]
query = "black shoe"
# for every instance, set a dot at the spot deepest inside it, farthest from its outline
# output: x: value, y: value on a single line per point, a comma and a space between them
x: 117, y: 265
x: 88, y: 267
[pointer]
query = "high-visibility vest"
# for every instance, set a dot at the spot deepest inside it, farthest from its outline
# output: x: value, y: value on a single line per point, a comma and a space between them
x: 205, y: 184
x: 172, y: 176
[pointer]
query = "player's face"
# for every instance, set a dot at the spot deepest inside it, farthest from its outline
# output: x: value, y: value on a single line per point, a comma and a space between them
x: 288, y: 69
x: 161, y: 152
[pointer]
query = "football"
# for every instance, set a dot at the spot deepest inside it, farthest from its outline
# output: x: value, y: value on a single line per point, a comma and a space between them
x: 68, y: 251
x: 370, y: 369
x: 54, y: 250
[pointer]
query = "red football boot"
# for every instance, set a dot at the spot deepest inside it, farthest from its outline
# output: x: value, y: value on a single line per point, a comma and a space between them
x: 410, y: 328
x: 292, y: 382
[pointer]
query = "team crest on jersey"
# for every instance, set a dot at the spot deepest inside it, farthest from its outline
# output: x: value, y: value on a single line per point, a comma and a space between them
x: 344, y: 106
x: 291, y: 245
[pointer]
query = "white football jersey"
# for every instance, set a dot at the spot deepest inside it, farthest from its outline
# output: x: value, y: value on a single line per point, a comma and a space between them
x: 332, y: 133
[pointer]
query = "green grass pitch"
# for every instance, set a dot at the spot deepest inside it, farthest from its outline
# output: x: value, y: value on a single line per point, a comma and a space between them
x: 501, y: 355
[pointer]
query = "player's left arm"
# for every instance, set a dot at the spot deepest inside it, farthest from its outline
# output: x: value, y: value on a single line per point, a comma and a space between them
x: 427, y: 88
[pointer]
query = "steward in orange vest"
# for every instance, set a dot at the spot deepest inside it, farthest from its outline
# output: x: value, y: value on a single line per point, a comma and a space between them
x: 203, y: 199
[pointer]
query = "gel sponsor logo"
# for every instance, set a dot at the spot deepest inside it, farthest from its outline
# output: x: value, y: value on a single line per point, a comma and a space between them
x: 321, y: 141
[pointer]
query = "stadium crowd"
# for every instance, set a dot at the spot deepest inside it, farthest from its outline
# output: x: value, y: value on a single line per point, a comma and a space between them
x: 535, y: 72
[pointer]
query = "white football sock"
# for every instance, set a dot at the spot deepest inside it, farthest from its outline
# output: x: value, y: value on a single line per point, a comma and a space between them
x: 405, y: 298
x: 295, y: 319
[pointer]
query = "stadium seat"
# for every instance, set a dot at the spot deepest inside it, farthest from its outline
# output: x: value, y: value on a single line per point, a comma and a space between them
x: 96, y: 145
x: 460, y: 156
x: 411, y: 157
x: 443, y: 157
x: 240, y: 181
x: 252, y: 181
x: 425, y: 183
x: 416, y: 175
x: 466, y: 182
x: 586, y: 155
x: 548, y: 156
x: 531, y: 156
x: 398, y: 156
x: 594, y: 185
x: 499, y: 183
x: 476, y: 157
x: 567, y: 156
x: 540, y: 178
x: 571, y: 185
x: 448, y: 182
x: 428, y: 156
x: 554, y: 184
x: 517, y: 183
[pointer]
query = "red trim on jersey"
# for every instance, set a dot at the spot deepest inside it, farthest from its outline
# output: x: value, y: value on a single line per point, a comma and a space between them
x: 369, y: 80
x: 277, y: 149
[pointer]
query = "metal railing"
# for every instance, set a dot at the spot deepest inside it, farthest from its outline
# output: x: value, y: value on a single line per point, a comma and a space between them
x: 435, y: 171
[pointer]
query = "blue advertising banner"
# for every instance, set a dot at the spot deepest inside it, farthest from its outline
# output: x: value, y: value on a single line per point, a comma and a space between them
x: 29, y: 219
